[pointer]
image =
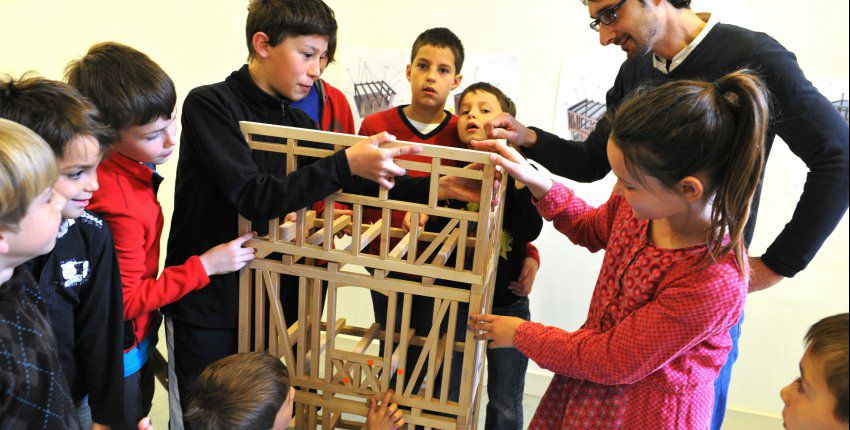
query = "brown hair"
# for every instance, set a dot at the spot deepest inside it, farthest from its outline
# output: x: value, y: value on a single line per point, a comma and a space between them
x: 442, y: 38
x: 687, y: 127
x: 280, y: 19
x: 54, y: 110
x: 828, y: 340
x: 127, y: 87
x: 27, y: 169
x: 241, y: 392
x: 505, y: 102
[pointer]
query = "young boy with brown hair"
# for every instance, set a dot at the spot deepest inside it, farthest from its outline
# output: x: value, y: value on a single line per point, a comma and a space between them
x: 252, y: 391
x: 79, y: 280
x: 818, y: 399
x: 34, y: 391
x: 521, y: 224
x: 137, y: 98
x: 219, y: 177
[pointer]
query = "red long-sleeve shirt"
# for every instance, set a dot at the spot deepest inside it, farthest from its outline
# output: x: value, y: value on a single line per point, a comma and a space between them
x: 657, y: 331
x: 127, y: 201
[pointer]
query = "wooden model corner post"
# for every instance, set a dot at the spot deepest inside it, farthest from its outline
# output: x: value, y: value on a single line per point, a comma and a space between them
x: 455, y: 267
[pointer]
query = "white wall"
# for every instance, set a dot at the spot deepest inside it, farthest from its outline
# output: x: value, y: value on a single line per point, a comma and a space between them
x: 200, y: 42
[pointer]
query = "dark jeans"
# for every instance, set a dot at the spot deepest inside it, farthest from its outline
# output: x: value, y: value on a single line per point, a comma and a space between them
x: 506, y: 377
x: 138, y: 396
x: 421, y: 316
x: 721, y: 384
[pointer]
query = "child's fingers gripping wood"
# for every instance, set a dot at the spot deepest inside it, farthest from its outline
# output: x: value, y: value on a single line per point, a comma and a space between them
x: 384, y: 415
x: 423, y: 218
x: 497, y: 329
x: 228, y: 257
x: 368, y: 159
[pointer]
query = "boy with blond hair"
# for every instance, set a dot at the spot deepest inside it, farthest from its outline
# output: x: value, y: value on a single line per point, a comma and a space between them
x: 137, y: 98
x: 79, y: 280
x: 818, y: 399
x: 34, y: 391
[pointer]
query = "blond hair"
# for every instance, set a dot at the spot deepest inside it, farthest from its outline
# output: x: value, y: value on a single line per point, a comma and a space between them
x: 27, y: 169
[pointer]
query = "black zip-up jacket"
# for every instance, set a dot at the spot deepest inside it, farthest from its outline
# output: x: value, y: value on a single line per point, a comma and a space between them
x: 81, y: 286
x: 801, y: 116
x: 219, y: 176
x: 523, y: 223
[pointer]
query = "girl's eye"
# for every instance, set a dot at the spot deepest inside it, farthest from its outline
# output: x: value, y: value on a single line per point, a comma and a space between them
x: 799, y: 383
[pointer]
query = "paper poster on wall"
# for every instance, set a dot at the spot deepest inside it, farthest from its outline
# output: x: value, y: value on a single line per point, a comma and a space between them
x: 580, y: 102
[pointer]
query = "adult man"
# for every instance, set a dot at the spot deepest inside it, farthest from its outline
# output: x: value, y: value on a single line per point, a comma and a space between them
x: 665, y: 40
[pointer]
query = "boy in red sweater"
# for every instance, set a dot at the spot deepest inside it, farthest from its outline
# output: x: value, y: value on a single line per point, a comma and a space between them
x: 137, y: 98
x: 434, y: 71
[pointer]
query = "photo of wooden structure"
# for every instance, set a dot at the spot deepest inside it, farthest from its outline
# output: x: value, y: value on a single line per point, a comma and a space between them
x: 583, y: 117
x: 332, y: 380
x: 372, y: 96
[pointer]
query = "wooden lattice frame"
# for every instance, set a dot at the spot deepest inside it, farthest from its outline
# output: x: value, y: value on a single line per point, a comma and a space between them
x: 350, y: 376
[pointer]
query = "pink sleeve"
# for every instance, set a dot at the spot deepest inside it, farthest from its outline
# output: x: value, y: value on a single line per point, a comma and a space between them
x: 684, y: 314
x: 585, y: 225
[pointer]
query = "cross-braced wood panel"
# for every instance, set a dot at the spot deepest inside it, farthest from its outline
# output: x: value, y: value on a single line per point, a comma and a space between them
x: 452, y: 268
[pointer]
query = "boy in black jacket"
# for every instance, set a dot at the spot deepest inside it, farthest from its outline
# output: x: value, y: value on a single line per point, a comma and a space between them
x: 79, y: 280
x: 219, y: 177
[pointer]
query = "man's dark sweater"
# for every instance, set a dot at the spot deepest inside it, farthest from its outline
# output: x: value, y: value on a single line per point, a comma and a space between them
x: 81, y: 286
x: 802, y: 117
x: 218, y: 176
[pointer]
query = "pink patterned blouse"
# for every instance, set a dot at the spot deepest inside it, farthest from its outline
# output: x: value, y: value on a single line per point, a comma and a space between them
x: 657, y: 331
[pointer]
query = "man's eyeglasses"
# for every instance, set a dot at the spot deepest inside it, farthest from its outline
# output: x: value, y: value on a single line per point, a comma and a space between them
x: 607, y: 16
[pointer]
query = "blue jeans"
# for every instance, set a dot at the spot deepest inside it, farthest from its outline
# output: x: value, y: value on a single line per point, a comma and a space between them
x: 506, y: 377
x: 721, y: 384
x: 84, y: 413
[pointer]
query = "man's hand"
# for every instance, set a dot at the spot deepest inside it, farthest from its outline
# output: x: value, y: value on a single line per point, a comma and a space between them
x: 384, y: 416
x: 369, y: 160
x: 761, y: 276
x: 505, y: 126
x: 498, y: 329
x: 405, y: 224
x: 522, y: 286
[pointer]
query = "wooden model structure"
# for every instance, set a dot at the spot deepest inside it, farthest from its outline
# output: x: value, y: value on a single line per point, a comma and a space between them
x: 332, y: 380
x: 583, y: 117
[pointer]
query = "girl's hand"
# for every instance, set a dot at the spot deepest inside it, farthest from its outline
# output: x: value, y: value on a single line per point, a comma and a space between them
x: 522, y: 287
x: 516, y: 165
x: 384, y: 416
x: 499, y: 330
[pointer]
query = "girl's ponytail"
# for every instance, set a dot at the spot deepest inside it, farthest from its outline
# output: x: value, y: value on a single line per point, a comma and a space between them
x: 736, y: 182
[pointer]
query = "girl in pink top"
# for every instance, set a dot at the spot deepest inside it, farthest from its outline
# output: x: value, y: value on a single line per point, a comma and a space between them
x: 688, y: 158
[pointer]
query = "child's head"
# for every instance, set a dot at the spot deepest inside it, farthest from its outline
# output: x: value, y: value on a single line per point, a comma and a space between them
x: 818, y: 399
x: 289, y: 44
x: 68, y: 123
x: 479, y: 103
x: 134, y: 96
x: 688, y: 145
x: 242, y: 391
x: 30, y: 210
x: 434, y: 70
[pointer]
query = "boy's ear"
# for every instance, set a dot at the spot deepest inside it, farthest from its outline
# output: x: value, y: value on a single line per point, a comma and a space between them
x: 407, y: 72
x: 691, y: 188
x: 4, y: 244
x: 458, y: 79
x: 260, y: 42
